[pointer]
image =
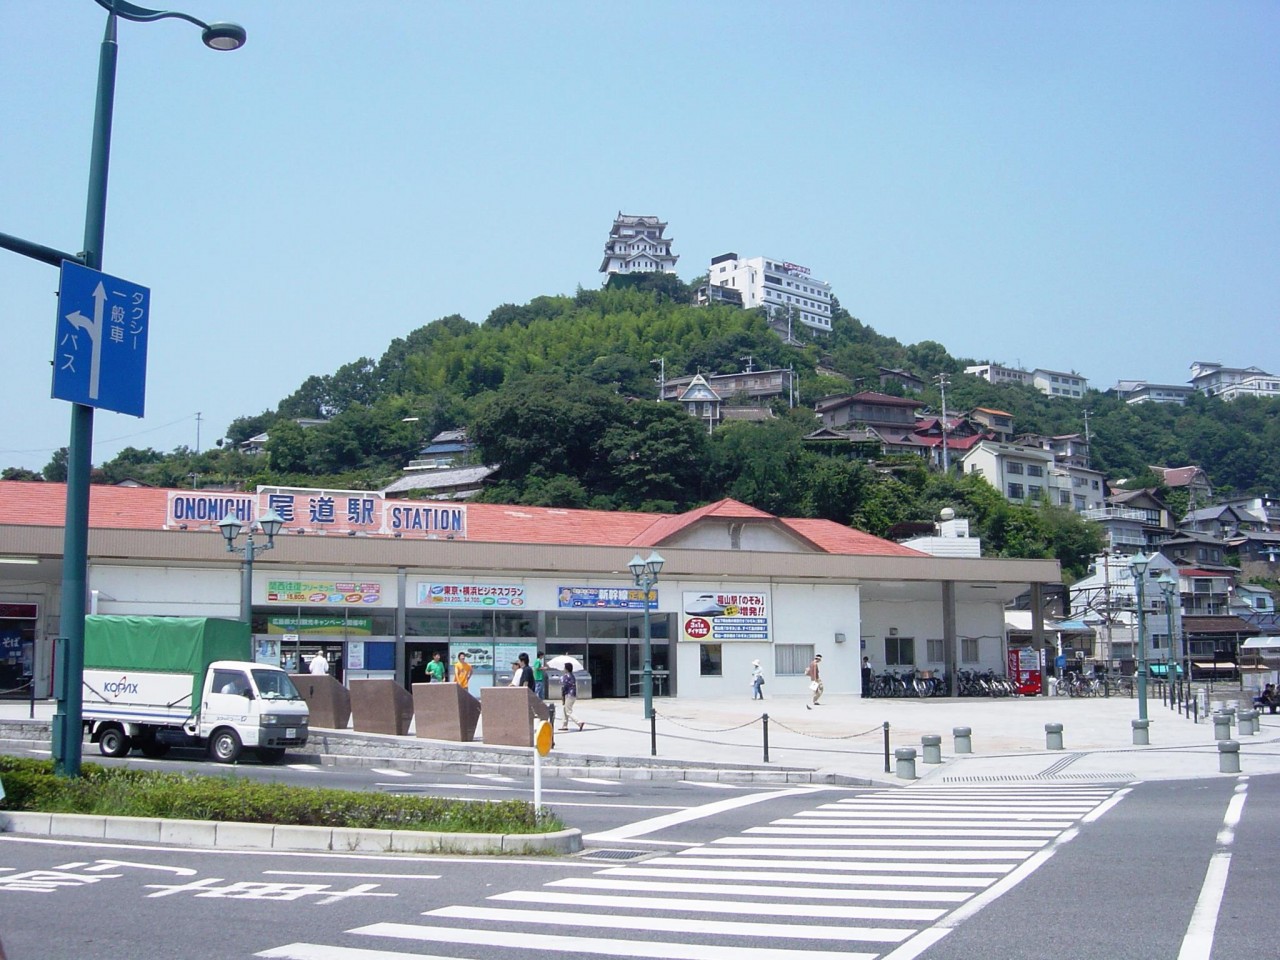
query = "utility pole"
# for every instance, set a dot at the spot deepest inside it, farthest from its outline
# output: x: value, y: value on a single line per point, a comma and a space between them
x: 942, y: 386
x: 749, y: 361
x: 198, y: 416
x: 662, y: 376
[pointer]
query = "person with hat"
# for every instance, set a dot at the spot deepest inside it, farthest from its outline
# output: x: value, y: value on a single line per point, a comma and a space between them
x: 757, y: 681
x: 462, y: 670
x: 813, y: 672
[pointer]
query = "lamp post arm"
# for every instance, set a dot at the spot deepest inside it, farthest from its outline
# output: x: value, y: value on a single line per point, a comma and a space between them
x: 121, y: 8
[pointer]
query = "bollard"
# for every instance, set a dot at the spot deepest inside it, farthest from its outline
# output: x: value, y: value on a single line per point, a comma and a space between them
x: 931, y: 748
x: 906, y: 762
x: 964, y: 739
x: 1228, y: 756
x: 1053, y: 736
x: 1141, y: 732
x: 1222, y: 726
x: 886, y: 746
x: 1248, y: 722
x: 764, y: 718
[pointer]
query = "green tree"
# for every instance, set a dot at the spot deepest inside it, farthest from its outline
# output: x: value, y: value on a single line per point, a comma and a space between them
x: 55, y: 471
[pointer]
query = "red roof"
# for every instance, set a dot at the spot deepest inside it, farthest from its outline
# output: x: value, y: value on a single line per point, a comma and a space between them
x: 145, y: 508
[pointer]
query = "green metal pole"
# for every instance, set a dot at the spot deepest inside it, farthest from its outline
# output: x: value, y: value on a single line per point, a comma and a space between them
x: 246, y: 585
x: 68, y: 717
x: 1142, y: 653
x: 647, y: 671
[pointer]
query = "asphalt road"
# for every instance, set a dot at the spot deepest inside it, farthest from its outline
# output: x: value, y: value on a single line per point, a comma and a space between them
x: 1007, y: 870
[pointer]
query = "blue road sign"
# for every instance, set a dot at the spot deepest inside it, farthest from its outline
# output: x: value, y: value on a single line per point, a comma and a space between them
x: 100, y: 343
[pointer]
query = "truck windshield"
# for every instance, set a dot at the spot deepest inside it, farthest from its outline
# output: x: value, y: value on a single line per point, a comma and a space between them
x: 275, y: 685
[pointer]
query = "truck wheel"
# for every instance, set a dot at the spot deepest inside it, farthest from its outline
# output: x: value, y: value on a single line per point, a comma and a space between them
x: 113, y: 741
x: 271, y: 754
x: 224, y: 747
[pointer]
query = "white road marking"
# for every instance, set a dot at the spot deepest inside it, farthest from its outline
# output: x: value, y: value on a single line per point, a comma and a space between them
x: 880, y: 866
x: 597, y: 946
x: 391, y: 772
x: 828, y: 910
x: 719, y: 928
x: 655, y: 824
x: 754, y: 890
x: 867, y: 879
x: 1197, y: 943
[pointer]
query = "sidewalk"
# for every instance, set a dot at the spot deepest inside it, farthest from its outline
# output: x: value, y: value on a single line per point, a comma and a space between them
x: 843, y: 740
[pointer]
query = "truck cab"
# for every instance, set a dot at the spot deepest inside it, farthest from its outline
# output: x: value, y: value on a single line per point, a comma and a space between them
x: 249, y: 705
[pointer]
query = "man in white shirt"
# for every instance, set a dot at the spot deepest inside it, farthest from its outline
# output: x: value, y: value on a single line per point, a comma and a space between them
x: 319, y: 665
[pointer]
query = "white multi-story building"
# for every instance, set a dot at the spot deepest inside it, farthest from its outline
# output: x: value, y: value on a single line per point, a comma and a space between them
x: 1215, y: 380
x: 995, y: 373
x: 781, y: 288
x: 637, y: 245
x: 1140, y: 391
x: 1051, y: 383
x: 1054, y: 383
x: 1019, y: 472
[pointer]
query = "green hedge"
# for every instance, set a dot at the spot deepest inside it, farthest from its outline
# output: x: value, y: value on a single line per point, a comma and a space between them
x: 116, y: 791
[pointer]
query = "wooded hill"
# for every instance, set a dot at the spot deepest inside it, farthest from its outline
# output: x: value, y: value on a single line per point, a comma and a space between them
x: 560, y: 392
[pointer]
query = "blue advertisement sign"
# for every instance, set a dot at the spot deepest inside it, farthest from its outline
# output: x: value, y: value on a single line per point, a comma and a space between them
x: 100, y: 341
x: 605, y: 598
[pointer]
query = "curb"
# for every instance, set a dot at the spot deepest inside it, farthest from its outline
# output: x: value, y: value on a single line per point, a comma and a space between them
x: 228, y: 835
x: 327, y: 747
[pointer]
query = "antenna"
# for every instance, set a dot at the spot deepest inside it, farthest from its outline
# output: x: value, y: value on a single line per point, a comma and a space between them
x: 198, y: 416
x: 662, y: 376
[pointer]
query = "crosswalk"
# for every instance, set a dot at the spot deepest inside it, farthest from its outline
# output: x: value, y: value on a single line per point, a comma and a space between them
x: 877, y: 876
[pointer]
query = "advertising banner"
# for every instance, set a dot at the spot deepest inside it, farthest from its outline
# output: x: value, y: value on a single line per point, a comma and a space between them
x: 725, y: 616
x: 348, y: 592
x: 605, y: 598
x: 461, y: 595
x: 325, y: 626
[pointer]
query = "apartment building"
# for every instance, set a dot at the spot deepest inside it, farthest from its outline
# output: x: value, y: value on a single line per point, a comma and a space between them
x: 1215, y: 380
x: 781, y: 287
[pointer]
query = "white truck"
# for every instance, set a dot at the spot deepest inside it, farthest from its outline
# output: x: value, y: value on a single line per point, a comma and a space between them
x: 159, y: 682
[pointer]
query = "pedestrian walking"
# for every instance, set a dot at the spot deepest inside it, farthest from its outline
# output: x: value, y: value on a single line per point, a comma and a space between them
x: 569, y: 690
x: 526, y: 673
x: 517, y: 674
x: 319, y: 665
x: 814, y: 673
x: 540, y: 676
x: 868, y: 677
x: 757, y: 681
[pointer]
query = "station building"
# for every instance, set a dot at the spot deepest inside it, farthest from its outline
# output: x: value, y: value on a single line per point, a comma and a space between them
x: 379, y: 585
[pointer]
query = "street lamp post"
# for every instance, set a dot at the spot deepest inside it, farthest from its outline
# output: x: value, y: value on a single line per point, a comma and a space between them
x: 645, y: 574
x: 270, y: 524
x: 1138, y: 566
x: 1169, y: 587
x: 68, y: 717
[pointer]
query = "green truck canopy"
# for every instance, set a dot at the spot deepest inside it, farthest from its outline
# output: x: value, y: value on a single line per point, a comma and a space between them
x: 164, y: 645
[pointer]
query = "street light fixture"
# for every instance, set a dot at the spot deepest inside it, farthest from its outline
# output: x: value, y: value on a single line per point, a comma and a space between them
x: 645, y: 574
x: 69, y: 716
x: 1169, y: 587
x: 1138, y: 567
x: 270, y: 524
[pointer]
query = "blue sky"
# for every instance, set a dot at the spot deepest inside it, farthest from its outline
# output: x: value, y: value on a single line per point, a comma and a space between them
x: 1086, y: 186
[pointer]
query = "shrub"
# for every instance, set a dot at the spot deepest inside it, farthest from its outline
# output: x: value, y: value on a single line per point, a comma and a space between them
x: 116, y: 791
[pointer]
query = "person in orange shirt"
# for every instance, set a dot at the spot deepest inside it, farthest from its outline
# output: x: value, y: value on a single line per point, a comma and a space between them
x: 462, y: 671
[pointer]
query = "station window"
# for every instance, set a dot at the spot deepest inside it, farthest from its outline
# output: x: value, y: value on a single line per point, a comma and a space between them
x: 710, y: 662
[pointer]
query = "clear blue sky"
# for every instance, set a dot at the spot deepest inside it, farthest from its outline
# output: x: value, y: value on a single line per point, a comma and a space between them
x: 1083, y: 186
